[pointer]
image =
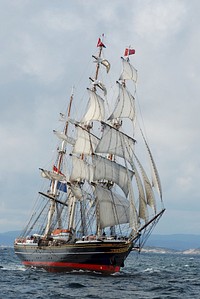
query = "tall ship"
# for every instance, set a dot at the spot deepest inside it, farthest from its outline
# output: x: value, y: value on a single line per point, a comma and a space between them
x: 101, y: 196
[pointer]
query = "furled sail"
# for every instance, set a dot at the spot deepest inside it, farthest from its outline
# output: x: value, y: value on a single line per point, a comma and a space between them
x: 125, y: 106
x: 113, y: 208
x: 52, y: 175
x: 128, y: 71
x: 100, y: 85
x: 64, y: 137
x: 95, y: 109
x: 104, y: 62
x: 116, y: 143
x: 86, y: 142
x: 111, y: 171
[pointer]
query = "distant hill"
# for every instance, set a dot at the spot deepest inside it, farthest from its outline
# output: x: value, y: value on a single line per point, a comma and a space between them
x: 171, y: 251
x: 175, y: 242
x: 7, y: 239
x: 179, y: 242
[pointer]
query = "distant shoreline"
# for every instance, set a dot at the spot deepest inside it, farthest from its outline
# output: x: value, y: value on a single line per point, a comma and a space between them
x: 184, y: 243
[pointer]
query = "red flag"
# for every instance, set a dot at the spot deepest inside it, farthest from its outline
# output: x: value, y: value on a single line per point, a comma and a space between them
x: 129, y: 52
x: 55, y: 169
x: 100, y: 44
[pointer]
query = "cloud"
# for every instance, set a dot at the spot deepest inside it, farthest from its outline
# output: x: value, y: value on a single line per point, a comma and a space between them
x: 38, y: 60
x: 157, y: 20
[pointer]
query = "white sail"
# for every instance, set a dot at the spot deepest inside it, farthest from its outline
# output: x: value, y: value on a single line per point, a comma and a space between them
x: 133, y: 215
x: 64, y: 137
x: 86, y: 142
x: 76, y: 190
x: 155, y: 176
x: 95, y: 109
x: 113, y: 208
x: 125, y: 106
x: 128, y: 71
x: 111, y: 171
x: 81, y: 170
x: 116, y: 143
x: 143, y: 212
x: 147, y: 185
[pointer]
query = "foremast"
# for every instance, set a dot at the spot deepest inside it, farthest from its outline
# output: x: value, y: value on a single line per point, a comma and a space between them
x: 100, y: 45
x: 57, y: 169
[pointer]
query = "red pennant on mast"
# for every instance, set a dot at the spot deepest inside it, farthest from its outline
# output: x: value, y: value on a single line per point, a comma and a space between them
x: 55, y: 169
x: 100, y: 44
x: 128, y: 52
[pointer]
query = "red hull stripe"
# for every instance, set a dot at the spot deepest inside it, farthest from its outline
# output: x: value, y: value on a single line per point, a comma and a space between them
x: 66, y: 266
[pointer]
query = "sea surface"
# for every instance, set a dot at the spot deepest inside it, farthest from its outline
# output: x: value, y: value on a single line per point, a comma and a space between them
x: 145, y: 275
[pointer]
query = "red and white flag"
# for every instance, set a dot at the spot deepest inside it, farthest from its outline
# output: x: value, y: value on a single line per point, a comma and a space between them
x: 55, y: 169
x: 128, y: 52
x: 100, y: 44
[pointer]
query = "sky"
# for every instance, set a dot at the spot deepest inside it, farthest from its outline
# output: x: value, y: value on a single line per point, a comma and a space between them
x: 46, y: 47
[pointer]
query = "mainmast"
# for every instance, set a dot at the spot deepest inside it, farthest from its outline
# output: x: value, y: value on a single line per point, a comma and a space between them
x: 94, y: 112
x: 88, y: 122
x: 101, y: 45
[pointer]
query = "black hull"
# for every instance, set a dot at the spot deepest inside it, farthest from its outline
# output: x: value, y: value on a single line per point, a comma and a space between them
x: 106, y: 257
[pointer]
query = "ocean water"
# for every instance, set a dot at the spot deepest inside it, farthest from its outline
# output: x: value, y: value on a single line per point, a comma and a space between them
x: 145, y: 275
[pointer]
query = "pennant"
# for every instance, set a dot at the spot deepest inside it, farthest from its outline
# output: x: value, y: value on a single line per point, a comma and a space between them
x: 128, y: 52
x: 55, y: 169
x: 100, y: 44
